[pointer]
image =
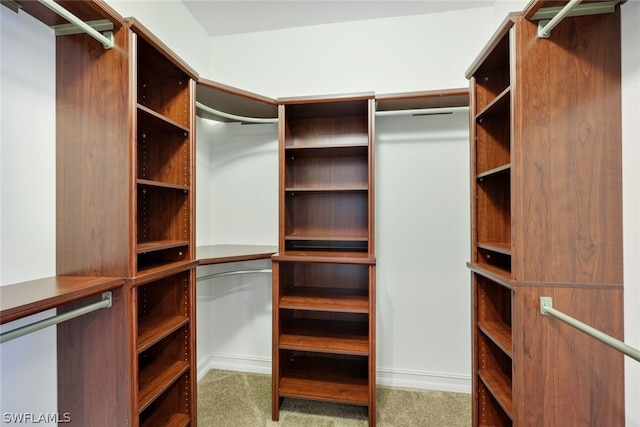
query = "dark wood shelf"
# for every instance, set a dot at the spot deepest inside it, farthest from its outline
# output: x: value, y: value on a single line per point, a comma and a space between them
x: 325, y: 257
x: 151, y: 273
x: 329, y: 150
x: 219, y: 254
x: 500, y: 388
x: 497, y: 275
x: 327, y: 237
x: 26, y: 298
x: 325, y: 299
x: 160, y: 184
x: 499, y: 333
x: 156, y: 378
x: 158, y: 122
x: 326, y: 336
x: 327, y: 379
x: 445, y: 98
x: 234, y: 101
x: 171, y: 420
x: 160, y: 245
x: 494, y: 172
x: 498, y: 107
x: 324, y: 189
x: 152, y: 329
x: 498, y: 247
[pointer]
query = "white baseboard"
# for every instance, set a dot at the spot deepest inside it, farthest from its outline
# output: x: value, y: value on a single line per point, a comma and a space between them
x: 385, y: 376
x: 228, y: 362
x: 439, y: 381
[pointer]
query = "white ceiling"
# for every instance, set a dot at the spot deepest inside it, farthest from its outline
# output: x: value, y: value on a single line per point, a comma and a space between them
x: 243, y: 16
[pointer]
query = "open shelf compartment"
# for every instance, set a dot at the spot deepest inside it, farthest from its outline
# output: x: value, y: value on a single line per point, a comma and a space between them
x: 332, y: 378
x: 161, y: 85
x: 323, y: 332
x: 162, y: 308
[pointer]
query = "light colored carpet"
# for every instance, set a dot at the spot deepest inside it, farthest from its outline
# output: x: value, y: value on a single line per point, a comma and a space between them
x: 240, y: 399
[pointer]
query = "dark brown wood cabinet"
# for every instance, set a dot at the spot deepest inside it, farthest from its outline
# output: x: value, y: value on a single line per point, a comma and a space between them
x: 546, y: 221
x: 324, y: 272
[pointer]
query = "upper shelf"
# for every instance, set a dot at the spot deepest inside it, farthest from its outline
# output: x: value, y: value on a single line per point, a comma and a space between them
x: 233, y: 101
x: 444, y: 98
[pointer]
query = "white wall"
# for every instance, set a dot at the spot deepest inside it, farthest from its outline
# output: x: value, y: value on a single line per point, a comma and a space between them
x: 237, y: 199
x: 422, y: 244
x: 27, y: 199
x: 243, y: 191
x: 383, y: 55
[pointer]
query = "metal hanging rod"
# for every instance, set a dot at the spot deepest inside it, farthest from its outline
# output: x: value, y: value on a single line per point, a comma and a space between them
x: 54, y: 320
x: 234, y: 116
x: 232, y: 273
x: 550, y: 17
x: 546, y: 308
x: 423, y: 111
x: 106, y: 39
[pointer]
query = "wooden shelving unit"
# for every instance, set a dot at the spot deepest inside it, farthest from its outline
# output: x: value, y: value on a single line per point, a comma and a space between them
x: 124, y: 175
x: 162, y: 289
x: 545, y: 193
x: 324, y: 272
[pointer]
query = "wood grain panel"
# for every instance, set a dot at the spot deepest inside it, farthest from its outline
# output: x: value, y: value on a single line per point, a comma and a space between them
x: 567, y: 377
x: 92, y: 155
x: 568, y: 153
x: 93, y: 363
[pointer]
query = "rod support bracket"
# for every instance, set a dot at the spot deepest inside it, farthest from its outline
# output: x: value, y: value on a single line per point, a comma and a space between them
x: 106, y: 296
x: 545, y: 303
x: 542, y: 32
x: 110, y: 43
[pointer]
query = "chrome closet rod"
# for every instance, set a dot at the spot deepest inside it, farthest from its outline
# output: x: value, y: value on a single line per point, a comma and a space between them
x: 232, y: 273
x: 54, y: 320
x: 234, y: 116
x: 546, y: 308
x: 107, y: 41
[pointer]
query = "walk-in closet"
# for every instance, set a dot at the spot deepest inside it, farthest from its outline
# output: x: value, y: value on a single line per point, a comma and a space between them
x: 372, y: 203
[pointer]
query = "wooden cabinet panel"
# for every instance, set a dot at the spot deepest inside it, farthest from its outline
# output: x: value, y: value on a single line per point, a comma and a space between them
x: 546, y: 221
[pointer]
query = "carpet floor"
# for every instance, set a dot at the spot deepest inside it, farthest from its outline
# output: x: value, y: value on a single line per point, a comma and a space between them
x: 240, y: 399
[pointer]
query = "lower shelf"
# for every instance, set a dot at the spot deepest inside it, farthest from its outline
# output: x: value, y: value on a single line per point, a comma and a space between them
x: 172, y: 420
x: 172, y: 408
x: 492, y: 412
x: 156, y: 380
x: 332, y: 379
x: 326, y: 336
